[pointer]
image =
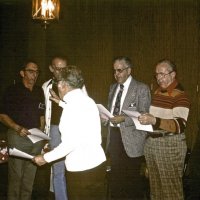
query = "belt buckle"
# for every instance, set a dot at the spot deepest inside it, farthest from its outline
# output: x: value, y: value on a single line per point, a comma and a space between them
x: 171, y: 134
x: 168, y: 134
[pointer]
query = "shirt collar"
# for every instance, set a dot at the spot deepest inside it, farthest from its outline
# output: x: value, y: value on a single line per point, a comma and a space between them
x: 127, y: 82
x: 71, y: 95
x: 50, y: 82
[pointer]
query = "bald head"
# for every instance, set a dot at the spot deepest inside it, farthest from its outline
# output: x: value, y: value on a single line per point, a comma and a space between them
x: 57, y: 64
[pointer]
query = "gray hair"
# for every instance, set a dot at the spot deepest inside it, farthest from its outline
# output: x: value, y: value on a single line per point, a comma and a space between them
x: 72, y: 75
x: 169, y: 62
x: 126, y: 60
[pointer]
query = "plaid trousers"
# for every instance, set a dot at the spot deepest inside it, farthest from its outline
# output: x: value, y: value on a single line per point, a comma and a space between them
x: 165, y: 161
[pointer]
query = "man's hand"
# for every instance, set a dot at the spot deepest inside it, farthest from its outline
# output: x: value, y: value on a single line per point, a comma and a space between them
x: 22, y: 131
x: 6, y: 120
x: 117, y: 119
x: 146, y: 119
x: 39, y: 160
x: 54, y: 97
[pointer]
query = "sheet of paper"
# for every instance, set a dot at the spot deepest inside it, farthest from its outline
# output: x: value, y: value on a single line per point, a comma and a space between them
x: 105, y: 114
x: 18, y: 153
x: 134, y: 116
x: 37, y: 135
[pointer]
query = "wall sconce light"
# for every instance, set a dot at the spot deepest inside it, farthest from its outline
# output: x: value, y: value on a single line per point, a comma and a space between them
x: 45, y: 11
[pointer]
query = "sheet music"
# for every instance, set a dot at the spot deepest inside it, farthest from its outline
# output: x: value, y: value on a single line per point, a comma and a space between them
x: 134, y: 116
x: 18, y: 153
x: 105, y: 114
x: 37, y: 135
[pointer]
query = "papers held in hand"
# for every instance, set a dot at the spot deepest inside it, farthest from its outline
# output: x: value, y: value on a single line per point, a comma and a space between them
x: 37, y: 135
x: 104, y: 113
x: 134, y: 116
x: 18, y: 153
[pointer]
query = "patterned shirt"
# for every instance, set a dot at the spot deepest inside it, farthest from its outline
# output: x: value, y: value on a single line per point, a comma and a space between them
x: 171, y: 107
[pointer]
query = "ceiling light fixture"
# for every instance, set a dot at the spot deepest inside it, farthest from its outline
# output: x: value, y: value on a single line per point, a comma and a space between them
x: 45, y: 11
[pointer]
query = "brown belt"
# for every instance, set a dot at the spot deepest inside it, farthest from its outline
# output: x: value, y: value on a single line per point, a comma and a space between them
x: 157, y: 135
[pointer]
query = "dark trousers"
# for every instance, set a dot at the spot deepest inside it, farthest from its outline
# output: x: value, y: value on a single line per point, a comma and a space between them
x: 21, y: 172
x: 191, y: 179
x: 126, y: 181
x: 86, y: 185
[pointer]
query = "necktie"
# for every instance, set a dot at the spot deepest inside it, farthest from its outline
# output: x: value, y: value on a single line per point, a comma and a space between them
x: 118, y: 100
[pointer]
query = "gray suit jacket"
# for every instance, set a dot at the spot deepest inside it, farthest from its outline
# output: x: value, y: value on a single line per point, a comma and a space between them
x: 138, y: 98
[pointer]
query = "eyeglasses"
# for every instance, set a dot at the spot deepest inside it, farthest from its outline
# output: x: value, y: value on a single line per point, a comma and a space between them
x: 119, y: 70
x: 32, y: 71
x: 59, y: 69
x: 162, y: 75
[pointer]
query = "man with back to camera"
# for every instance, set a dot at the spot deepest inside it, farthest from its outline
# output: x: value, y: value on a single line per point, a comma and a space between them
x: 23, y: 109
x: 80, y: 129
x: 165, y: 148
x: 52, y: 118
x: 125, y: 143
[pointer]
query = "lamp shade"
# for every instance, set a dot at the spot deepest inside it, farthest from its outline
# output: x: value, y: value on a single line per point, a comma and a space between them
x: 45, y: 10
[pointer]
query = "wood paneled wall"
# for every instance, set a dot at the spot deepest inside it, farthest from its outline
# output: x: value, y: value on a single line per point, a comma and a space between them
x: 92, y: 32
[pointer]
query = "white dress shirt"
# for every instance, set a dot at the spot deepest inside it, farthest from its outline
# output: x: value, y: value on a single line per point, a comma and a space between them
x: 80, y: 129
x: 48, y: 103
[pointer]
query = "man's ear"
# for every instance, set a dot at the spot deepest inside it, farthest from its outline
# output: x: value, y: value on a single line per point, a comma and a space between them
x: 129, y: 70
x: 173, y: 74
x: 22, y: 73
x: 51, y: 68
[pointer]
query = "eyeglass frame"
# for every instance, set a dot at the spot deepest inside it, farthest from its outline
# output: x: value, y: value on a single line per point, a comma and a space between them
x: 58, y: 69
x: 119, y: 70
x: 31, y: 71
x: 162, y: 75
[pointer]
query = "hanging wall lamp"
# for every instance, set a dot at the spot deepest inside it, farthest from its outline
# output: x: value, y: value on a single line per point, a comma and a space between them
x: 45, y: 11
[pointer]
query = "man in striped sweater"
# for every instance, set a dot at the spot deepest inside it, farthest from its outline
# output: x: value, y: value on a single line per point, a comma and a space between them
x: 165, y: 148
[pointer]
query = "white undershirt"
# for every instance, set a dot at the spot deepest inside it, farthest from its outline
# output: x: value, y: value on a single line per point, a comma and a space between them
x: 125, y: 90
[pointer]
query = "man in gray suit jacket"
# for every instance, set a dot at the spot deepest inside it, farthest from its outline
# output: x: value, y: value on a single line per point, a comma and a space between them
x: 124, y: 142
